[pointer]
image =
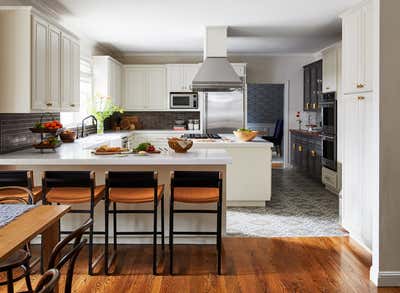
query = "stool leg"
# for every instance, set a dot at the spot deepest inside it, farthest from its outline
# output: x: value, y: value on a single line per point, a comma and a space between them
x: 162, y: 224
x: 171, y: 235
x: 91, y: 239
x: 10, y: 285
x: 115, y: 225
x: 28, y: 276
x: 106, y: 212
x: 155, y: 239
x: 219, y: 238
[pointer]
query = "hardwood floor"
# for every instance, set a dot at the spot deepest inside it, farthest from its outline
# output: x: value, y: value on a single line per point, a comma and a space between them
x: 334, y: 264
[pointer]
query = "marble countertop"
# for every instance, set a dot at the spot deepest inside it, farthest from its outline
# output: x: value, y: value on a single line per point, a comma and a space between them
x: 75, y: 154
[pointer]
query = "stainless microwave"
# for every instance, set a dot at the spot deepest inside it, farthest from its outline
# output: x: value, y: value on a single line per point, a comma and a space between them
x: 180, y: 100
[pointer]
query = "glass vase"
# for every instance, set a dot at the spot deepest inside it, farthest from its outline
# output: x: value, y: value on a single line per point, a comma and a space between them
x: 100, y: 127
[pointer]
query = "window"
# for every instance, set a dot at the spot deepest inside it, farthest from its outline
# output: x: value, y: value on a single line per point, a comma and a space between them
x: 70, y: 119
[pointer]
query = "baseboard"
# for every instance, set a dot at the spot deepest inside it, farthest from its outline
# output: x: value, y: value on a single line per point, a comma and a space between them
x: 240, y: 203
x: 357, y: 239
x: 387, y: 279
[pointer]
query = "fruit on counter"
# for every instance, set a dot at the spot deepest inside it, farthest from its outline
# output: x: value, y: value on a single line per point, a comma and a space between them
x: 55, y: 124
x: 68, y: 132
x: 50, y: 141
x: 151, y: 148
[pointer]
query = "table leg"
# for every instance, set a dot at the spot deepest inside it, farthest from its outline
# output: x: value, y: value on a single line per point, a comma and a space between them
x: 49, y: 241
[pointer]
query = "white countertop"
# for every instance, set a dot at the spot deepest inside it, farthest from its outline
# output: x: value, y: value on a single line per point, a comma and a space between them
x: 74, y: 154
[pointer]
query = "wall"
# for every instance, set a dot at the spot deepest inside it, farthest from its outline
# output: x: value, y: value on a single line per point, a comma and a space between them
x: 386, y: 260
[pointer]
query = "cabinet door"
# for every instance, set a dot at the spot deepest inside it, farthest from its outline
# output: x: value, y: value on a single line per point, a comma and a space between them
x: 329, y: 71
x: 189, y: 72
x: 155, y: 89
x: 307, y: 88
x: 314, y: 86
x: 135, y: 89
x: 117, y: 83
x: 318, y: 66
x: 75, y: 77
x: 54, y: 57
x: 66, y: 73
x: 40, y: 66
x: 365, y: 77
x: 175, y: 78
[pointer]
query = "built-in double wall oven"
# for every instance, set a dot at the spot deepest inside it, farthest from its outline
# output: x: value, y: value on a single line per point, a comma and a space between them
x: 328, y: 106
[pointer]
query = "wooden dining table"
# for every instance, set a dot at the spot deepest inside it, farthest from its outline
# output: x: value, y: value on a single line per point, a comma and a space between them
x: 43, y: 219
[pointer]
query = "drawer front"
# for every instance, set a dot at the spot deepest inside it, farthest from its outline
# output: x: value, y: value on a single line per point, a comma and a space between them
x: 329, y: 177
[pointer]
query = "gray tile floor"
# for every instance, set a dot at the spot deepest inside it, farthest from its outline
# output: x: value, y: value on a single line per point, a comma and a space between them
x: 300, y: 206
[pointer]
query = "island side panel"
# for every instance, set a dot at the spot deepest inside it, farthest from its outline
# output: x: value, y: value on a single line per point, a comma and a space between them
x: 140, y: 222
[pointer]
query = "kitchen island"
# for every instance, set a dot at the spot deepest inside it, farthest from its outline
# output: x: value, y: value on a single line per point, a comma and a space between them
x: 75, y: 157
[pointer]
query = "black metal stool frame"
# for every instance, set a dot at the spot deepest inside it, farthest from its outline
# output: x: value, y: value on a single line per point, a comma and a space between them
x: 67, y: 182
x: 173, y: 211
x: 132, y: 184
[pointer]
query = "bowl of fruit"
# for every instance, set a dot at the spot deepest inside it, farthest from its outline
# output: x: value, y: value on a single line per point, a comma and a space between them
x: 50, y: 142
x: 244, y: 134
x: 47, y: 127
x: 180, y: 145
x: 68, y: 136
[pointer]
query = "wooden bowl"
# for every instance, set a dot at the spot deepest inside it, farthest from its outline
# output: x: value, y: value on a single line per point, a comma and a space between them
x: 178, y: 148
x: 245, y: 135
x: 68, y: 137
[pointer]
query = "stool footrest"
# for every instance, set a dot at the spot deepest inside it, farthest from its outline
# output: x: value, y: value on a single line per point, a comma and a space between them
x: 136, y: 233
x: 132, y: 211
x: 85, y: 233
x: 195, y: 211
x: 193, y: 233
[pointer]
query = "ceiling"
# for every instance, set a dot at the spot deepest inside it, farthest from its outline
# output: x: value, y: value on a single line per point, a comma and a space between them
x: 255, y: 26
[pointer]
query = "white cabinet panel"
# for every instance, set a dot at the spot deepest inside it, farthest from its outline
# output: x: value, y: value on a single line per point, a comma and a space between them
x: 189, y: 72
x: 357, y: 50
x: 40, y: 99
x: 175, y: 78
x: 54, y: 66
x: 135, y: 89
x: 75, y: 77
x: 329, y: 70
x: 66, y: 72
x: 107, y: 79
x: 156, y: 85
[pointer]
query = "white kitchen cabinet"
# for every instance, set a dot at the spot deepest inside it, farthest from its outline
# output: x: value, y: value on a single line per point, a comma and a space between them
x: 54, y: 57
x: 180, y: 77
x: 329, y: 70
x: 359, y: 164
x: 357, y: 27
x: 107, y: 79
x: 70, y: 72
x: 145, y: 87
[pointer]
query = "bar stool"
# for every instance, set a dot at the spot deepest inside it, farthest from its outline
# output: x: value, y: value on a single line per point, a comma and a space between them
x: 133, y: 187
x: 195, y: 187
x: 74, y: 187
x: 19, y: 178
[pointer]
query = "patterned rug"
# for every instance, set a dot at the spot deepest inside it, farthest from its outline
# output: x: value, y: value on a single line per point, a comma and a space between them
x: 300, y: 206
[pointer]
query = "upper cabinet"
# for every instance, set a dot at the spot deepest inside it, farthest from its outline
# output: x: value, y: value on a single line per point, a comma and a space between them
x: 180, y: 77
x: 357, y: 49
x: 329, y: 70
x: 107, y: 80
x: 46, y: 64
x: 312, y: 85
x: 145, y: 88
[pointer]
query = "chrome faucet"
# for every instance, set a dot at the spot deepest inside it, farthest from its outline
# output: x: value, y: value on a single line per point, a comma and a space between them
x: 83, y: 124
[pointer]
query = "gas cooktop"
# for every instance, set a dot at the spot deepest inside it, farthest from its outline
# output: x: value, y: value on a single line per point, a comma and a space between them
x: 201, y: 136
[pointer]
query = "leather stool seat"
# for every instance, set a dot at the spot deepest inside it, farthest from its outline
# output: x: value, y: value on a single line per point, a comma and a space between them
x: 36, y: 191
x: 196, y: 194
x: 134, y: 195
x: 68, y: 195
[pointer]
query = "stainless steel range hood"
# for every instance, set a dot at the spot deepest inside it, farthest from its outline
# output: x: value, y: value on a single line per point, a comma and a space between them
x: 216, y: 74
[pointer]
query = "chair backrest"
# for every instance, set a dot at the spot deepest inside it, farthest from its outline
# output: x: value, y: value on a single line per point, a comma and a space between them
x: 67, y: 179
x: 16, y: 178
x: 57, y: 261
x: 196, y: 179
x: 278, y: 132
x: 124, y: 179
x: 16, y: 199
x: 48, y: 281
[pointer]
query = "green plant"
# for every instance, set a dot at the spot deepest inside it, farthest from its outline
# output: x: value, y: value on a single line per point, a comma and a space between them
x: 103, y: 107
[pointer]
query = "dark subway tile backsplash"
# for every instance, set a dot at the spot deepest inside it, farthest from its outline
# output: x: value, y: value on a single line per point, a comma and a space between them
x: 14, y: 130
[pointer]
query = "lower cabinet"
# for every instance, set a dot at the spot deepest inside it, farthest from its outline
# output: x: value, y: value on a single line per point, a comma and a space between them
x: 306, y: 154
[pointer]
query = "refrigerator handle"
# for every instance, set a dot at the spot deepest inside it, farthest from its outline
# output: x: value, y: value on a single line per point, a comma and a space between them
x: 205, y: 111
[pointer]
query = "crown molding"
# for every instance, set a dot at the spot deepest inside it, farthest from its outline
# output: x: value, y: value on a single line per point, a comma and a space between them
x: 200, y: 53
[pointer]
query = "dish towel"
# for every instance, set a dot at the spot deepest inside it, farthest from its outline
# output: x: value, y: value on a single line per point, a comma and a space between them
x: 9, y: 212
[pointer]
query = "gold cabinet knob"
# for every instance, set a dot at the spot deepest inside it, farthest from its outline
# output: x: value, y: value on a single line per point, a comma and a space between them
x: 72, y: 105
x: 314, y: 106
x: 307, y: 106
x: 360, y: 85
x: 328, y: 88
x: 360, y: 98
x: 313, y: 153
x: 294, y: 146
x: 300, y: 148
x: 49, y: 104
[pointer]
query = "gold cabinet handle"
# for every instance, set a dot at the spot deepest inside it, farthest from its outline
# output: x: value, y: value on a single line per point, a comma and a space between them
x: 313, y: 153
x: 72, y: 105
x: 314, y: 106
x: 294, y: 146
x: 307, y: 106
x: 49, y: 104
x: 328, y: 88
x: 360, y: 98
x: 300, y: 148
x: 360, y: 85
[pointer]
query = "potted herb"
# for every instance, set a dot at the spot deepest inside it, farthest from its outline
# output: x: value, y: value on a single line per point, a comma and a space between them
x: 102, y: 108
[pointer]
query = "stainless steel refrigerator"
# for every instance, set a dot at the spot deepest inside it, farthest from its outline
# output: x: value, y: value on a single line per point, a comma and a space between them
x: 224, y: 111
